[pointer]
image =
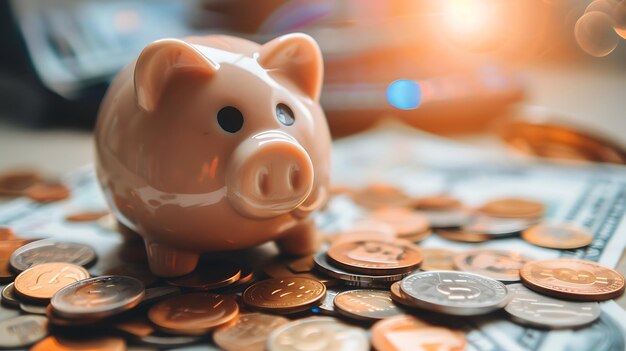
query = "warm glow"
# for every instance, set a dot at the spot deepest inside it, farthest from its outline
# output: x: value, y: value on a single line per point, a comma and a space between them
x: 471, y: 22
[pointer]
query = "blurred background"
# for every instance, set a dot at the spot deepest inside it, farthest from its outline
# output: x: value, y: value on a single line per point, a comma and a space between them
x: 542, y: 77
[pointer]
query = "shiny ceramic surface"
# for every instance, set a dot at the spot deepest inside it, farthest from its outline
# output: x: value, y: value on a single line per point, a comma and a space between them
x: 215, y: 143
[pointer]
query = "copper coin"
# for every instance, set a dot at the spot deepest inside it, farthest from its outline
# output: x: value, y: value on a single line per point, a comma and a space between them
x: 513, y: 208
x: 249, y: 333
x: 47, y: 192
x: 284, y: 295
x: 437, y: 259
x: 404, y: 332
x: 193, y: 314
x: 88, y: 216
x: 302, y: 264
x: 376, y: 257
x: 7, y: 247
x: 364, y: 230
x: 279, y: 269
x: 398, y: 296
x: 437, y: 203
x: 403, y: 221
x: 557, y: 236
x: 366, y: 305
x: 572, y: 279
x: 102, y: 343
x: 13, y: 183
x: 43, y: 251
x: 500, y: 265
x: 380, y: 195
x: 462, y: 235
x: 137, y: 326
x: 208, y: 275
x: 7, y: 233
x: 44, y: 280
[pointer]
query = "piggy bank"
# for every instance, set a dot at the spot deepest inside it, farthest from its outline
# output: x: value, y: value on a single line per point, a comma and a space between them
x: 216, y: 143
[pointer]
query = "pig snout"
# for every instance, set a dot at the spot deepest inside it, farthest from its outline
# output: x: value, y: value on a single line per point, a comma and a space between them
x: 270, y: 174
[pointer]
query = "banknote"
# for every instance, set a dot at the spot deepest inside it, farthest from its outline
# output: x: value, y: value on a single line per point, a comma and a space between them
x: 420, y: 164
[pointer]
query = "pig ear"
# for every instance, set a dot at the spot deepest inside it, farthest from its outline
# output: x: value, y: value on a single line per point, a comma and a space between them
x: 298, y: 57
x: 158, y: 61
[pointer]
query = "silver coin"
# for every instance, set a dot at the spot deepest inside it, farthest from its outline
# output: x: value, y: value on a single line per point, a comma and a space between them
x: 169, y: 341
x: 8, y: 296
x: 159, y: 293
x: 43, y: 251
x: 22, y: 331
x: 249, y: 332
x: 530, y: 308
x: 455, y: 293
x: 500, y: 265
x: 97, y: 297
x: 323, y: 264
x: 318, y: 334
x: 496, y: 227
x: 33, y: 309
x: 366, y: 305
x: 328, y: 306
x: 446, y: 218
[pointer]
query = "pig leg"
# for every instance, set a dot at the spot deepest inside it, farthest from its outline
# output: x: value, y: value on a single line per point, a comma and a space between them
x: 166, y: 261
x: 300, y: 240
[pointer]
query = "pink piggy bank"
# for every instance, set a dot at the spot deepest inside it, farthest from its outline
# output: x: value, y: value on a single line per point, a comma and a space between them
x: 216, y: 143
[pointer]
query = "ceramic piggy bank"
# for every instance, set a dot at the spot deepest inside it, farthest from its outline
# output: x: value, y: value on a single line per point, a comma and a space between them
x: 216, y: 143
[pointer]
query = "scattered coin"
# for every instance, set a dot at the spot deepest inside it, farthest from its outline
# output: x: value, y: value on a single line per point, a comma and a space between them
x: 159, y: 293
x: 496, y: 227
x: 376, y: 257
x: 7, y: 247
x: 22, y: 331
x: 7, y: 233
x: 437, y: 203
x: 399, y: 296
x: 462, y: 236
x: 452, y: 218
x: 572, y: 279
x: 43, y: 251
x: 327, y: 306
x: 103, y: 343
x: 138, y: 326
x: 455, y: 293
x: 513, y: 208
x: 500, y: 265
x: 97, y: 297
x: 170, y: 341
x: 65, y: 322
x: 47, y: 192
x: 323, y: 264
x: 438, y: 259
x: 557, y: 236
x: 284, y: 295
x: 13, y: 183
x: 33, y: 309
x: 529, y: 308
x: 366, y: 305
x: 194, y: 313
x: 381, y: 195
x: 404, y: 333
x: 249, y: 333
x: 302, y: 265
x: 364, y: 230
x: 40, y: 282
x: 318, y: 334
x: 88, y: 216
x: 208, y: 276
x: 405, y: 223
x: 8, y: 296
x: 279, y: 269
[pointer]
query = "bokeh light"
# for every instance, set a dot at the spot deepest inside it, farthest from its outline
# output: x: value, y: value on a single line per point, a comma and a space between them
x: 404, y: 94
x: 595, y: 34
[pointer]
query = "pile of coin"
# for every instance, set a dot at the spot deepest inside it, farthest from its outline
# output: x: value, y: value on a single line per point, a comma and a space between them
x: 371, y: 286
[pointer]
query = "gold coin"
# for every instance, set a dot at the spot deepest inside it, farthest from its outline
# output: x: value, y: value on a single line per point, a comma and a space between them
x: 397, y: 333
x: 513, y: 208
x: 248, y: 333
x: 284, y: 295
x: 436, y: 259
x: 366, y: 305
x: 193, y: 314
x: 572, y: 279
x: 42, y: 281
x: 557, y: 236
x: 104, y: 343
x: 376, y: 257
x: 500, y: 265
x: 380, y: 195
x: 403, y: 221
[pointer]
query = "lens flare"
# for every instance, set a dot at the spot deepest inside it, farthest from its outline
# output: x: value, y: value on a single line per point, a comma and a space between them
x: 404, y: 94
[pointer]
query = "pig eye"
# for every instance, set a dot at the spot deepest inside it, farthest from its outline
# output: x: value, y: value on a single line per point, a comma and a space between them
x: 230, y: 119
x: 284, y: 114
